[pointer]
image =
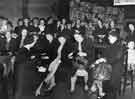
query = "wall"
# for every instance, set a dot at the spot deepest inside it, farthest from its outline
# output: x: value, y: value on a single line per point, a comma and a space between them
x: 13, y: 8
x: 10, y: 8
x: 129, y: 12
x: 41, y: 7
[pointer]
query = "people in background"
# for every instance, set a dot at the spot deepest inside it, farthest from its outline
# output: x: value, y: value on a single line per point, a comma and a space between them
x: 57, y: 43
x: 42, y: 25
x: 35, y: 25
x: 19, y: 26
x: 131, y: 33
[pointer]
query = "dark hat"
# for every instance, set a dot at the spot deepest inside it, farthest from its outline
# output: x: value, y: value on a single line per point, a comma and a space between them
x: 114, y: 32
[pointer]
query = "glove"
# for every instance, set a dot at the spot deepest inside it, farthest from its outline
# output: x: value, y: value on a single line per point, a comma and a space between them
x: 41, y: 69
x: 82, y: 54
x: 44, y: 57
x: 100, y: 60
x: 33, y: 57
x: 70, y: 56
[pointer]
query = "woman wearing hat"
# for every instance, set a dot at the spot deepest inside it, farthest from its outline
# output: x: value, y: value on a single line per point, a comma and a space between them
x: 114, y: 56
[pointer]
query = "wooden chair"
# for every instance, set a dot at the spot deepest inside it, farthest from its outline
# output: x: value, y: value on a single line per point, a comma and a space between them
x: 127, y: 76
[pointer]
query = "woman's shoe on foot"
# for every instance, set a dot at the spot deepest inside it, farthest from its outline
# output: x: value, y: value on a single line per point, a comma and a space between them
x: 86, y: 88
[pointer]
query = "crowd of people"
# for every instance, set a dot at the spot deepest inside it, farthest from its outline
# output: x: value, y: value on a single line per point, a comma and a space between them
x: 89, y: 12
x: 56, y: 45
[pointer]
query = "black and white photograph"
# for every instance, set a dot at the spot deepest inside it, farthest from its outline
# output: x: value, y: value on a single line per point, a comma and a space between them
x: 67, y: 49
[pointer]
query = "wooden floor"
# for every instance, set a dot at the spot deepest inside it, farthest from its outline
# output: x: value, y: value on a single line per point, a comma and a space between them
x: 61, y: 92
x: 29, y: 82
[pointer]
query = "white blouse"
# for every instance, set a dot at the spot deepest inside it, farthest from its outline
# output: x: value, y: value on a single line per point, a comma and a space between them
x: 131, y: 56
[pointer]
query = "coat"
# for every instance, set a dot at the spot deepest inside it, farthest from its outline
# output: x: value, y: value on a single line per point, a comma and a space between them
x: 5, y: 47
x: 114, y: 55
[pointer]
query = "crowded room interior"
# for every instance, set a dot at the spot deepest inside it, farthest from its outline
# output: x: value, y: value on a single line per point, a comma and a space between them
x: 62, y: 49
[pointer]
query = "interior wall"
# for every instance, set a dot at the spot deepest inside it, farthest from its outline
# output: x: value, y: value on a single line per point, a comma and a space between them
x: 63, y: 8
x: 41, y: 8
x: 129, y: 12
x: 13, y: 8
x: 10, y: 9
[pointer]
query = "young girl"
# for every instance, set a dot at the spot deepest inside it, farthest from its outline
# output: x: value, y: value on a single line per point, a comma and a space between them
x: 131, y: 56
x: 102, y: 72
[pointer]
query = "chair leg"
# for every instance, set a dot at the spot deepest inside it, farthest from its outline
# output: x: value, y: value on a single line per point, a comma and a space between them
x: 73, y: 83
x: 124, y: 85
x: 86, y: 83
x: 132, y: 81
x: 120, y: 89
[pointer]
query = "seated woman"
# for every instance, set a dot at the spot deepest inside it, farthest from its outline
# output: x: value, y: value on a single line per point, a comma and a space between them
x: 24, y: 67
x: 80, y: 63
x: 53, y: 67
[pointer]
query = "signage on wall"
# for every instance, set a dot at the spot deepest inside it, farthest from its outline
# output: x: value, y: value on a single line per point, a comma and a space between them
x: 124, y: 2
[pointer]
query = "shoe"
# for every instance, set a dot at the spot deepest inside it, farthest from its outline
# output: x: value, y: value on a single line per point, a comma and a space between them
x: 51, y: 86
x: 72, y: 91
x: 90, y: 92
x: 86, y: 88
x: 101, y: 95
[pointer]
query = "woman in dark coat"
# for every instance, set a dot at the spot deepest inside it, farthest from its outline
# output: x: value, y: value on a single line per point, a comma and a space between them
x: 114, y: 55
x: 23, y: 67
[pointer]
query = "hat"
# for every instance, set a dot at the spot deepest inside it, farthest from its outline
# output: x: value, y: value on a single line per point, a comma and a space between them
x: 114, y: 32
